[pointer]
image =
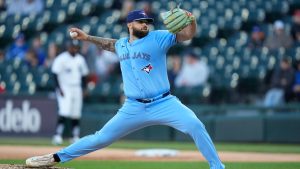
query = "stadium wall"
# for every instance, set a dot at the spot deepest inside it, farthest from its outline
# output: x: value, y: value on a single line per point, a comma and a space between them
x: 27, y: 116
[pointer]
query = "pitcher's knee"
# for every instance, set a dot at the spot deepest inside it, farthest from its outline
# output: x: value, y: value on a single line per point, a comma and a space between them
x: 195, y: 125
x: 100, y: 139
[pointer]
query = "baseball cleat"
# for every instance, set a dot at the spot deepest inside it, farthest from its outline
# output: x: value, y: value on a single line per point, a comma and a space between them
x: 41, y: 161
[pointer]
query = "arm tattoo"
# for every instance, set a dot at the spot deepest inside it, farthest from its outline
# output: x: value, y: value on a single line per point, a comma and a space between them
x: 104, y: 43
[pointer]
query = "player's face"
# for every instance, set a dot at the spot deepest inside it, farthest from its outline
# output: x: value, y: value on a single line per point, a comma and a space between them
x: 140, y: 28
x: 73, y: 50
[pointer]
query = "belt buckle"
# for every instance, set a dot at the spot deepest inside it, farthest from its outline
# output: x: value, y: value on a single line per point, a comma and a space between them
x: 148, y: 100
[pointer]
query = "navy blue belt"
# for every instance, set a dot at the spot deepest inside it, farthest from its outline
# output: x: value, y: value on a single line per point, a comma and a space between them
x: 153, y: 99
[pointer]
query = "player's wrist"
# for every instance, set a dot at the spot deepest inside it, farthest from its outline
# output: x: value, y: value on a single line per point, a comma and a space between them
x: 87, y: 38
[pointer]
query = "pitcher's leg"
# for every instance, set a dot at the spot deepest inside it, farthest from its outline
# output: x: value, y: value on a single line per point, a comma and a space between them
x: 120, y: 125
x: 173, y: 113
x: 197, y: 131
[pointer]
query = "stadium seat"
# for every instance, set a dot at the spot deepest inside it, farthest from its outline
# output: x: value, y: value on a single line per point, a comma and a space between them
x: 52, y: 4
x: 77, y: 10
x: 27, y: 89
x: 192, y: 95
x: 53, y: 18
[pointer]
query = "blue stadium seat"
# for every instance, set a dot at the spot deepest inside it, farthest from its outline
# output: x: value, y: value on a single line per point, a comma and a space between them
x: 32, y: 23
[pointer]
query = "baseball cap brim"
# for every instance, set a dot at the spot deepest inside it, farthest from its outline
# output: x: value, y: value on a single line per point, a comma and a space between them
x: 149, y: 20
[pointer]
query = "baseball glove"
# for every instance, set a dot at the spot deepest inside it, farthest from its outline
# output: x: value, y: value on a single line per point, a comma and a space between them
x: 176, y: 19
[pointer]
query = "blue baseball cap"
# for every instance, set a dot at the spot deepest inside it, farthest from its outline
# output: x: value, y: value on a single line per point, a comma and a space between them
x: 73, y: 43
x: 137, y: 15
x: 256, y: 29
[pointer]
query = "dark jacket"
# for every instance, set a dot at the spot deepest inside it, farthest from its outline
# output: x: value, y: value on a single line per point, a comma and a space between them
x: 283, y: 75
x: 295, y: 30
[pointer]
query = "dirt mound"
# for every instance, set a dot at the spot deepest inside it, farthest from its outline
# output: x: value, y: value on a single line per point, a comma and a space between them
x: 15, y: 166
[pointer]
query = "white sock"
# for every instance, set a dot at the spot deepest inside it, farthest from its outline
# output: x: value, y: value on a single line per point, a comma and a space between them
x: 60, y: 129
x: 76, y: 131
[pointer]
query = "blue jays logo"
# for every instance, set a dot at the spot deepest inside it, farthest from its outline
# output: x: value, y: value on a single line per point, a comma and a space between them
x: 143, y: 13
x: 147, y: 68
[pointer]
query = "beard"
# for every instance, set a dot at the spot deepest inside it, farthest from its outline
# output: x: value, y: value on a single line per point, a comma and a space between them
x: 140, y: 33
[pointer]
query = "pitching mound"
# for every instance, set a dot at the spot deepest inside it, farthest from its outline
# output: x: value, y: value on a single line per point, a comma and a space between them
x: 14, y: 166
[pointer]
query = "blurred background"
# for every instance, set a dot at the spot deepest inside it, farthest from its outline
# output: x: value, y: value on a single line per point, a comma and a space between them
x: 240, y: 74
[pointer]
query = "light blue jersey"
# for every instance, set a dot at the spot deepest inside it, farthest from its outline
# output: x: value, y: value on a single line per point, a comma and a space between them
x: 143, y: 64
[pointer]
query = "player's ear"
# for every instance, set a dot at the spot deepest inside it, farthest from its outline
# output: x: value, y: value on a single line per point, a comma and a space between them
x: 129, y: 25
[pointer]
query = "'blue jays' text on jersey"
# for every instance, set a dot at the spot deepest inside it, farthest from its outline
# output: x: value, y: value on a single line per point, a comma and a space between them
x: 143, y: 64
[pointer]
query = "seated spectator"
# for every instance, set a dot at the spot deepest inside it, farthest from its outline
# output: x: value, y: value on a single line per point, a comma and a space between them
x: 90, y: 51
x: 2, y: 56
x: 31, y: 58
x: 117, y: 4
x: 173, y: 69
x: 32, y: 7
x: 24, y: 7
x: 18, y: 48
x: 2, y: 5
x: 148, y: 9
x: 53, y: 51
x: 278, y: 38
x: 296, y: 85
x: 14, y: 7
x: 105, y: 64
x: 194, y: 72
x: 257, y: 38
x: 281, y: 84
x: 2, y: 87
x: 295, y: 30
x: 39, y: 50
x: 128, y: 5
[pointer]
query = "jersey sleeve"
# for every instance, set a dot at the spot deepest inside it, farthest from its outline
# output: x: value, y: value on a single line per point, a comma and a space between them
x: 117, y: 45
x: 57, y: 66
x: 165, y: 39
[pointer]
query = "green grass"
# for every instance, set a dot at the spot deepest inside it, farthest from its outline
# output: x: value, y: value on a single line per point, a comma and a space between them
x: 239, y: 147
x: 163, y: 165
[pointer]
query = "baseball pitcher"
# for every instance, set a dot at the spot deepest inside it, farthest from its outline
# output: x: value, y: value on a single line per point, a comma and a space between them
x: 148, y: 101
